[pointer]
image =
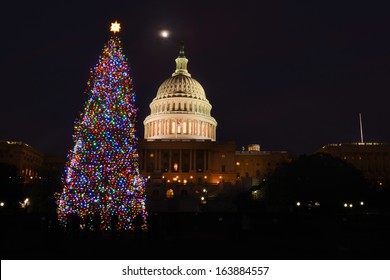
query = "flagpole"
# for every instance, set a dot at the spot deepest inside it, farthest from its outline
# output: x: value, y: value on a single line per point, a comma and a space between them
x: 361, y: 128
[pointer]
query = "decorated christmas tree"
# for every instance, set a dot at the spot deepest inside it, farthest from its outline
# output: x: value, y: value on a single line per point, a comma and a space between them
x: 102, y: 185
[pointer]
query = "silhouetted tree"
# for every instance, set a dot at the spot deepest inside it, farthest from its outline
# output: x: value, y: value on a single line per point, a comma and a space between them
x: 321, y: 178
x: 41, y: 192
x: 11, y: 187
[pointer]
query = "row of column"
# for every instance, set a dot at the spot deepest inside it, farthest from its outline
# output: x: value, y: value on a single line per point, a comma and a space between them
x: 157, y: 160
x: 176, y: 127
x: 196, y: 108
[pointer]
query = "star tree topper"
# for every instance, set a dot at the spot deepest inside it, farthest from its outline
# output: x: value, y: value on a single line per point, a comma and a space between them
x: 115, y: 27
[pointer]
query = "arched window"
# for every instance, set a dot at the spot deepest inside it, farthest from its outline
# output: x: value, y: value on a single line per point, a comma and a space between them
x: 169, y: 193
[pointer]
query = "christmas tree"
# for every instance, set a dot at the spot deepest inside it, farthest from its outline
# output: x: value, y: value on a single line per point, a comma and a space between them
x: 102, y: 185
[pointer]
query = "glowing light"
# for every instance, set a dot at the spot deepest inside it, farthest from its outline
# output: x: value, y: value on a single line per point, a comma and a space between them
x: 24, y: 204
x: 2, y: 204
x: 164, y: 33
x: 345, y: 205
x: 361, y: 203
x: 298, y: 203
x: 115, y: 27
x: 350, y: 205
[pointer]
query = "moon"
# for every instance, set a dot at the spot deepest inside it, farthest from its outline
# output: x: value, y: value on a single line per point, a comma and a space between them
x: 164, y: 33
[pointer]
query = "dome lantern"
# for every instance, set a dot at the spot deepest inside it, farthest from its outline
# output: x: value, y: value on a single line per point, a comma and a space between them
x: 181, y: 63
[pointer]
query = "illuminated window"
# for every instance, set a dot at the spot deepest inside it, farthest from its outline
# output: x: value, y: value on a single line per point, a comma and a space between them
x: 169, y: 193
x: 173, y: 127
x: 151, y: 155
x: 238, y: 163
x: 175, y: 166
x: 254, y: 147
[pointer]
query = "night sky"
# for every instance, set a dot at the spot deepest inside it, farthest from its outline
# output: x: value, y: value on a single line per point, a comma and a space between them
x: 288, y: 75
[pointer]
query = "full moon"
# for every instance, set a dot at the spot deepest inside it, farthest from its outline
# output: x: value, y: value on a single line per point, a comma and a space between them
x: 164, y: 33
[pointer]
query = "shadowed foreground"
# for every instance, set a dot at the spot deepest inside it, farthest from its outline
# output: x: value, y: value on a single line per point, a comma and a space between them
x: 205, y: 236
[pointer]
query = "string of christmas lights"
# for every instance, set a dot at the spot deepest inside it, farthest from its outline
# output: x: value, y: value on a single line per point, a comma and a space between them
x: 102, y: 181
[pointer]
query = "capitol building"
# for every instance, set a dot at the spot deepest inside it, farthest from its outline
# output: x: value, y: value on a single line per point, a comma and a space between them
x: 180, y: 153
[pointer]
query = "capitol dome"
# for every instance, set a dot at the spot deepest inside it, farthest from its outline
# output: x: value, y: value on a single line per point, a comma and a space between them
x: 180, y: 109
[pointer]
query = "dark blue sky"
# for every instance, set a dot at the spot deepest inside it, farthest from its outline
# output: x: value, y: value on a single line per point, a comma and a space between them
x: 288, y: 75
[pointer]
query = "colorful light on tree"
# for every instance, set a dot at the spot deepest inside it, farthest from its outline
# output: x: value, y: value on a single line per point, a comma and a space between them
x: 102, y: 179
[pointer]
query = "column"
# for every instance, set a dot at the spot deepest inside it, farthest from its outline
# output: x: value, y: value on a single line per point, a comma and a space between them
x: 159, y: 159
x: 170, y: 161
x: 194, y: 158
x: 155, y: 159
x: 180, y: 163
x: 205, y: 167
x: 191, y: 166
